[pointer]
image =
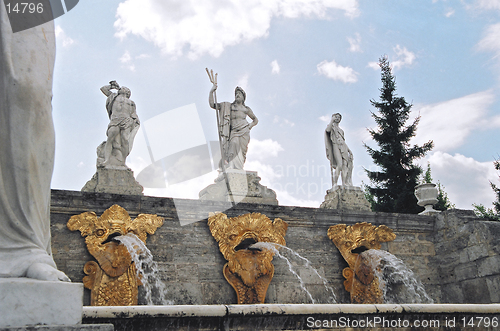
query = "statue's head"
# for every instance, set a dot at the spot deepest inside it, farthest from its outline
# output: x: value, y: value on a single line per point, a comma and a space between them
x: 125, y: 90
x: 241, y: 92
x: 337, y: 117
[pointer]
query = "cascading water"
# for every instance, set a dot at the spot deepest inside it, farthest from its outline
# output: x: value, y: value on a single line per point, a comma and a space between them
x: 398, y: 282
x: 147, y: 270
x: 276, y: 248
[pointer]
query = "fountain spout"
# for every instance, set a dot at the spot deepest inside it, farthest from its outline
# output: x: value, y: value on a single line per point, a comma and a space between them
x: 249, y: 269
x: 113, y: 279
x: 352, y: 241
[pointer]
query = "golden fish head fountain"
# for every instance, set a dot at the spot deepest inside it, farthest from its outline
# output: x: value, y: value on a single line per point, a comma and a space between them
x: 113, y: 279
x: 249, y: 270
x: 351, y: 241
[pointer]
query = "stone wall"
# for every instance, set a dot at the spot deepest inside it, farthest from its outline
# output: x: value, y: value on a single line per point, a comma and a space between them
x: 191, y: 264
x: 467, y: 262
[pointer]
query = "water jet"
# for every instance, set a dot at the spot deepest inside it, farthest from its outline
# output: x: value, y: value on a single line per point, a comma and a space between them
x: 453, y: 253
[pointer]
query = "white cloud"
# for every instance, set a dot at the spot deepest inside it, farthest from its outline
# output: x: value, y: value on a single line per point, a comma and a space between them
x: 286, y: 199
x: 189, y: 189
x: 271, y: 178
x: 283, y: 121
x: 337, y: 72
x: 487, y: 4
x: 466, y: 180
x: 449, y: 123
x: 355, y: 43
x: 403, y: 57
x: 126, y: 59
x: 493, y: 122
x: 491, y: 40
x: 265, y: 172
x: 207, y: 27
x: 263, y: 149
x: 374, y: 65
x: 275, y: 67
x: 325, y: 118
x: 243, y: 81
x: 450, y: 12
x: 62, y: 37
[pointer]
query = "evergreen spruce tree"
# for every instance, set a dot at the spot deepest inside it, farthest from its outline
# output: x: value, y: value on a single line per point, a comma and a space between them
x: 496, y: 204
x: 491, y: 214
x: 394, y: 184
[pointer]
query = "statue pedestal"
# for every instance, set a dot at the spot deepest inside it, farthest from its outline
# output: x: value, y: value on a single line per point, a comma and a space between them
x: 429, y: 211
x: 244, y: 186
x: 118, y: 181
x: 29, y: 302
x: 346, y: 198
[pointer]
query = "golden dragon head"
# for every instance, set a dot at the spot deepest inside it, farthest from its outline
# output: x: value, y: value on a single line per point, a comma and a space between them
x: 100, y: 234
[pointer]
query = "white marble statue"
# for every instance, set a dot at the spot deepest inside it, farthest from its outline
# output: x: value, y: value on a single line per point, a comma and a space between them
x: 234, y: 130
x: 340, y: 156
x: 26, y: 151
x: 122, y: 127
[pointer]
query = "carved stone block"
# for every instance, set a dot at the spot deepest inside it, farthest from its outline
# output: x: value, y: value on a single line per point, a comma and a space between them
x: 346, y: 198
x: 244, y: 186
x: 118, y: 181
x: 27, y: 301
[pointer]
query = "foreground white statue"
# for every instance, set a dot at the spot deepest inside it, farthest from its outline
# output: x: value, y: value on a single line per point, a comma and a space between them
x: 26, y: 151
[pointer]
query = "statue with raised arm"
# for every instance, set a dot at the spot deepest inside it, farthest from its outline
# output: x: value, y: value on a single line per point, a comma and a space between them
x: 122, y: 128
x: 234, y: 130
x: 233, y: 183
x: 340, y: 156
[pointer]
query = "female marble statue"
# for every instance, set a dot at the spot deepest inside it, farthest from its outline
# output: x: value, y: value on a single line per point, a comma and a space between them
x: 26, y: 151
x: 340, y: 156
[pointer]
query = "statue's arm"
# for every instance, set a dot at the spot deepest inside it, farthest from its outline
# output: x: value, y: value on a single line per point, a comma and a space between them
x: 211, y: 98
x: 329, y: 127
x: 254, y: 118
x: 106, y: 89
x: 134, y: 114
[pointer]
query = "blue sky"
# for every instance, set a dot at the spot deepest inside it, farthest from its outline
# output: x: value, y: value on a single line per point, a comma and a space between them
x: 299, y: 62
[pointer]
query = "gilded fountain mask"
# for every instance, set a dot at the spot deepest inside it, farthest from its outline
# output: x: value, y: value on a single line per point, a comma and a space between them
x: 361, y: 282
x: 355, y: 239
x: 249, y: 270
x: 114, y: 273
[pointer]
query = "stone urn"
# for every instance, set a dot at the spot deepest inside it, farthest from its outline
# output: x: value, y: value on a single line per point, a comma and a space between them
x: 427, y: 194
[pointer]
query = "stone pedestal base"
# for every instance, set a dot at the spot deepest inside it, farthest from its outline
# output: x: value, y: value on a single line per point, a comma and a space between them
x: 346, y: 198
x: 119, y: 181
x: 25, y: 301
x: 244, y: 187
x: 79, y: 327
x: 429, y: 211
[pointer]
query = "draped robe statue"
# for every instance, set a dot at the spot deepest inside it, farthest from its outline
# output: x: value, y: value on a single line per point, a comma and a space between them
x: 26, y: 151
x: 234, y: 130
